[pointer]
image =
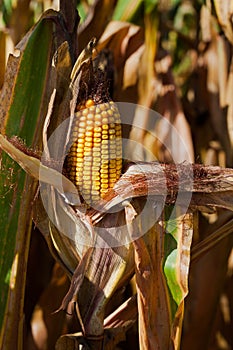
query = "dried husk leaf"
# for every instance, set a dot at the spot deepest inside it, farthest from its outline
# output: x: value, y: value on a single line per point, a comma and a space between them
x: 108, y: 268
x: 93, y: 285
x: 115, y: 324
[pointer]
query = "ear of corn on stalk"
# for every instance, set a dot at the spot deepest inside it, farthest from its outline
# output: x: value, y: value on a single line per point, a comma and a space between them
x: 94, y: 161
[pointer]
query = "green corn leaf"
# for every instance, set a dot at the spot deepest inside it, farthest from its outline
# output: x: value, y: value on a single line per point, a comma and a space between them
x: 23, y: 105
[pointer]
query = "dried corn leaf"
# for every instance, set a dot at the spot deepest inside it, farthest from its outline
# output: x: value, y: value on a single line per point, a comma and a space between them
x: 223, y: 59
x: 212, y: 265
x: 96, y: 21
x: 175, y: 135
x: 151, y: 290
x: 123, y: 39
x: 205, y: 23
x: 224, y: 10
x: 162, y: 269
x: 168, y: 106
x: 213, y: 59
x: 146, y: 83
x: 197, y: 185
x: 229, y: 101
x: 130, y: 56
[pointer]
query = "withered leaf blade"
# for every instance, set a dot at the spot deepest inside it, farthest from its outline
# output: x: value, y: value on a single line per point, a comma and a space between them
x: 76, y: 280
x: 200, y: 185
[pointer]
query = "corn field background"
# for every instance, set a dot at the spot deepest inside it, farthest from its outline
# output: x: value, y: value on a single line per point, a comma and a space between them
x: 171, y: 288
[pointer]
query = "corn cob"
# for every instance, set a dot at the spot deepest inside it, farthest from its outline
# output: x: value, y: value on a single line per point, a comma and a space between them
x: 94, y: 160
